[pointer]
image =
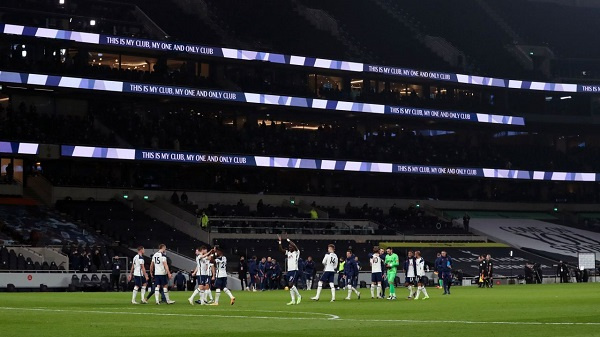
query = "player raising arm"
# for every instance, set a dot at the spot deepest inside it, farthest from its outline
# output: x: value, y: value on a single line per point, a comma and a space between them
x: 201, y: 274
x: 330, y: 261
x: 161, y: 273
x: 139, y: 275
x: 392, y: 263
x: 292, y: 254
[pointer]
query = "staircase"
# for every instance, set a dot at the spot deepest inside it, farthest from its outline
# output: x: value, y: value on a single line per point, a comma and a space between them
x: 438, y: 45
x: 160, y: 211
x: 149, y: 25
x: 513, y: 49
x: 201, y: 10
x: 39, y: 189
x: 323, y: 21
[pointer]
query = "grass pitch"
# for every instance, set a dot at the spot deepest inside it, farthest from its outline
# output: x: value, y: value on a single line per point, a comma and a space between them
x: 521, y: 310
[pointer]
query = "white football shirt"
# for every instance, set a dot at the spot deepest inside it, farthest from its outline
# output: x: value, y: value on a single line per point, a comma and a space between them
x: 330, y: 261
x: 375, y: 264
x: 159, y: 268
x: 221, y: 263
x: 292, y: 259
x: 411, y: 268
x: 420, y: 266
x: 138, y: 262
x: 205, y: 266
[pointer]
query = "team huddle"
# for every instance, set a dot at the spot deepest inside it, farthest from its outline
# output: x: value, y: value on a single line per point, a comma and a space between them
x: 211, y: 270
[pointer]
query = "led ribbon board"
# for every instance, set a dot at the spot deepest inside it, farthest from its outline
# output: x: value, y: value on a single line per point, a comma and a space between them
x: 253, y: 98
x: 316, y: 164
x: 302, y: 61
x: 19, y: 148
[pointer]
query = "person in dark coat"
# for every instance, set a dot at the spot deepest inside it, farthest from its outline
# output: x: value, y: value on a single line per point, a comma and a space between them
x: 243, y: 272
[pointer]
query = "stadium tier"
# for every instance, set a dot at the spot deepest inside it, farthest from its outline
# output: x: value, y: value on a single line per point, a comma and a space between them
x: 354, y: 123
x: 300, y: 167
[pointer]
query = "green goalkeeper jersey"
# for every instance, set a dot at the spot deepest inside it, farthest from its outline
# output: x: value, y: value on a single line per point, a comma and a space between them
x: 393, y: 262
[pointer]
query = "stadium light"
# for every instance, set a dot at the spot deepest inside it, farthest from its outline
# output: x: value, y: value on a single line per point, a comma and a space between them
x: 125, y: 196
x: 61, y: 2
x: 555, y: 209
x: 92, y: 22
x: 146, y: 197
x: 418, y: 204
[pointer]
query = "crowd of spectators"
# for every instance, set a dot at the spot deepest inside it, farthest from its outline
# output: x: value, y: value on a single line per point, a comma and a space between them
x: 91, y: 16
x: 25, y: 123
x: 190, y: 130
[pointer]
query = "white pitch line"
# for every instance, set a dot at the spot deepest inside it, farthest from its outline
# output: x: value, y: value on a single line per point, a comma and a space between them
x: 330, y: 318
x: 473, y: 322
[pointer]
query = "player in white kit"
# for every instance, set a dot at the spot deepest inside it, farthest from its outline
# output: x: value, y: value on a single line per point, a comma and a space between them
x: 160, y: 271
x: 221, y: 277
x: 410, y: 268
x: 330, y: 261
x: 211, y: 267
x: 376, y: 273
x: 139, y: 275
x: 201, y: 274
x: 292, y: 254
x: 420, y: 276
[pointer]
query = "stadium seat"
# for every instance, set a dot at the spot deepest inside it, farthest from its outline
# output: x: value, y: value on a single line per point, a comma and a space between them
x: 86, y: 282
x: 95, y: 280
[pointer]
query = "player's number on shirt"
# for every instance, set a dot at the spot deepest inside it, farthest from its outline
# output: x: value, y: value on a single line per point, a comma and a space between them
x: 333, y: 259
x: 156, y: 260
x: 375, y: 260
x: 223, y: 265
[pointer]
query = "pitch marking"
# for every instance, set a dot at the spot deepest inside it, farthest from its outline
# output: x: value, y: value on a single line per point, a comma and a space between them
x: 329, y: 317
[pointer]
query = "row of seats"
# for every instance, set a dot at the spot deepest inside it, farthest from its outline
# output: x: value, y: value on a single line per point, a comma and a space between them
x: 10, y: 260
x: 127, y: 226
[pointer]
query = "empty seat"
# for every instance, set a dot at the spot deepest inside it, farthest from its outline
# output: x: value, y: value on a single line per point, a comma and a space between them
x: 95, y: 280
x: 75, y: 281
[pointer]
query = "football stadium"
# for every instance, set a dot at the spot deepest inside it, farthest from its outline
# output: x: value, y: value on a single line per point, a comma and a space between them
x: 299, y: 167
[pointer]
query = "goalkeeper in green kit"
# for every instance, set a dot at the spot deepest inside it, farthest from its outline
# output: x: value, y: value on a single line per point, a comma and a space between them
x: 391, y: 262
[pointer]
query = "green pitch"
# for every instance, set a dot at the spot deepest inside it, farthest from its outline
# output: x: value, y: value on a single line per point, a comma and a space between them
x: 524, y: 310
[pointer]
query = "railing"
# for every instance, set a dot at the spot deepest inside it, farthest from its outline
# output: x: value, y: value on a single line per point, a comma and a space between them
x: 299, y: 230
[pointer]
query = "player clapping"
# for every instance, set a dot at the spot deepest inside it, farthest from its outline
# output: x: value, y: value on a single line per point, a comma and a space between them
x: 292, y: 254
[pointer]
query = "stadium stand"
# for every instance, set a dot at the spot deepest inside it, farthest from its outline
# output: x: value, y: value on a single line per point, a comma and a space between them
x: 108, y: 17
x: 127, y: 226
x: 559, y: 135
